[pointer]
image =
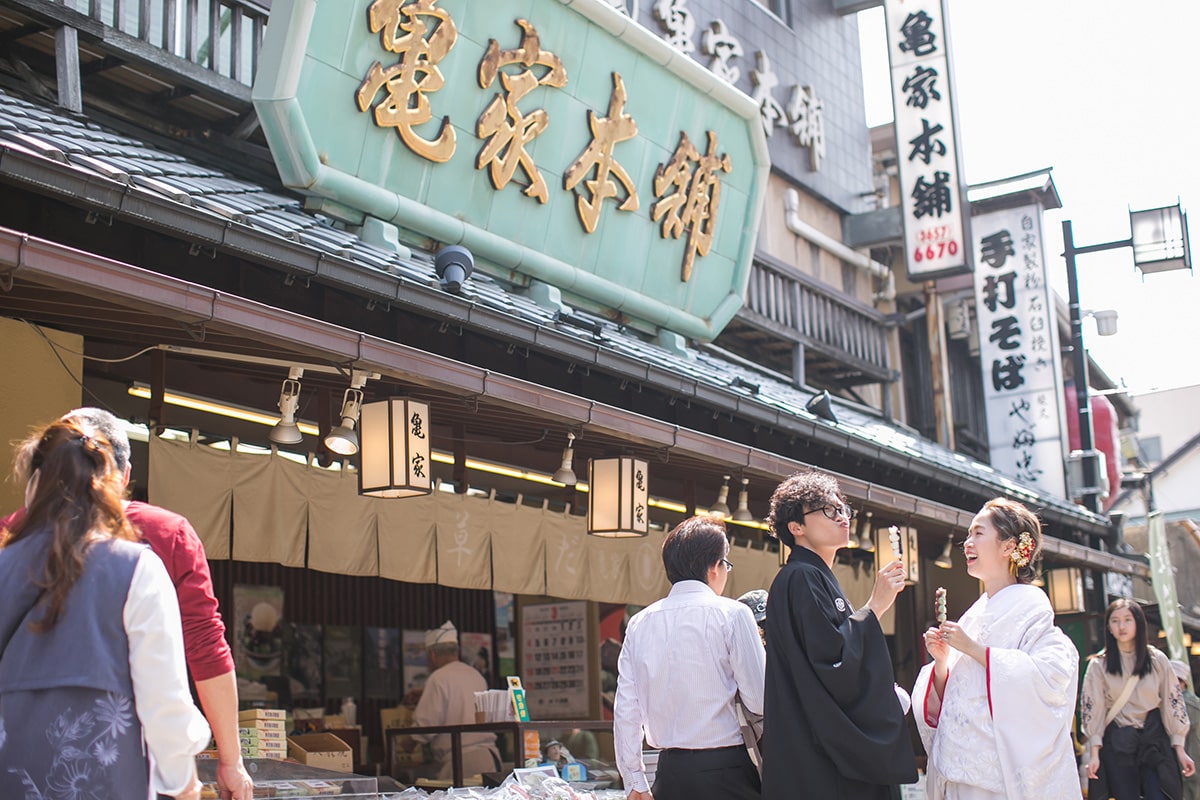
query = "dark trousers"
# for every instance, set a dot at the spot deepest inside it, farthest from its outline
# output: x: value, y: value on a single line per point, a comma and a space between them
x: 1128, y: 780
x: 723, y: 773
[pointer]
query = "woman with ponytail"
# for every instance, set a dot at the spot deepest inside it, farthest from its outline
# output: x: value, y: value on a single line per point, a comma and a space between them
x: 995, y: 706
x: 93, y: 690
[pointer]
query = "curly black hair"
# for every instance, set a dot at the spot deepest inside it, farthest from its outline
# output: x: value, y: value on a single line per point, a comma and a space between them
x: 799, y: 493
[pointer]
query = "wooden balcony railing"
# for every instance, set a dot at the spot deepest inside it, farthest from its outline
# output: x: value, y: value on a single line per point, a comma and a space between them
x: 223, y: 36
x: 841, y: 338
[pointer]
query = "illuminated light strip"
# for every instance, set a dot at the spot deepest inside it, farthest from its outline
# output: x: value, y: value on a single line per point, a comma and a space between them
x: 442, y: 457
x: 220, y: 409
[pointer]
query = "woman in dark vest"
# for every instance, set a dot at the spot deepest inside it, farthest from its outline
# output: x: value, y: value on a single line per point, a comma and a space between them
x: 93, y: 689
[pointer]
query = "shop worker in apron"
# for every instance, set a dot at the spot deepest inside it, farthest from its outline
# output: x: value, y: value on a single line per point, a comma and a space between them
x: 684, y: 663
x: 449, y: 699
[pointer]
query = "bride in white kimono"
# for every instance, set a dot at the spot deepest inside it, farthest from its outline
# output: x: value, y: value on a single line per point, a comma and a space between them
x: 995, y: 707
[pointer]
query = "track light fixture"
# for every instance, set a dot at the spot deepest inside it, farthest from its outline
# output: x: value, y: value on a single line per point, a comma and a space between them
x: 944, y: 560
x: 866, y: 533
x: 565, y: 474
x: 285, y: 431
x: 343, y: 439
x: 742, y: 512
x: 721, y: 507
x: 821, y: 405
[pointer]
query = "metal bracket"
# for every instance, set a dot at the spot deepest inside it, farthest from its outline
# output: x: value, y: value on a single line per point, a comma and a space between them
x: 196, y: 331
x: 197, y: 249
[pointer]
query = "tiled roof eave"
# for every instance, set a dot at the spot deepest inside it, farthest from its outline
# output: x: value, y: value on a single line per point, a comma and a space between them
x: 97, y: 192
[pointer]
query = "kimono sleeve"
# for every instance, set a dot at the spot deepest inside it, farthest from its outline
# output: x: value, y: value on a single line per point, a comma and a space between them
x: 1032, y: 694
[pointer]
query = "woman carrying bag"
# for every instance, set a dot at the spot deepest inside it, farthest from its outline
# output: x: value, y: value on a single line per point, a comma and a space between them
x: 1133, y: 714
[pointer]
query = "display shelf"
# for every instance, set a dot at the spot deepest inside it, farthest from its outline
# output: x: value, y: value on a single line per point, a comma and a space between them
x: 515, y: 729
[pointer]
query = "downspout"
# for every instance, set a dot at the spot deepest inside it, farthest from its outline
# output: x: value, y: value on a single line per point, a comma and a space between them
x: 791, y: 217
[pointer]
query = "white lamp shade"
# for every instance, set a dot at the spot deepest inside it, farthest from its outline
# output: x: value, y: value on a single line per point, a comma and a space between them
x: 909, y: 555
x: 618, y: 497
x: 1065, y: 587
x: 1160, y: 239
x: 394, y: 446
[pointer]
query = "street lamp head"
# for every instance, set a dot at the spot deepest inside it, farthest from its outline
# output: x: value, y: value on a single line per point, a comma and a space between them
x: 1160, y: 239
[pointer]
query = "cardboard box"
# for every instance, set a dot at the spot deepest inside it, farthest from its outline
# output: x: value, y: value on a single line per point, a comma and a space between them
x: 276, y: 725
x: 253, y: 735
x: 251, y: 715
x: 322, y: 750
x: 398, y: 717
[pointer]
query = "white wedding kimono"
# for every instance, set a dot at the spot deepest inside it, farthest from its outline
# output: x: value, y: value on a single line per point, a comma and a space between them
x: 1004, y: 730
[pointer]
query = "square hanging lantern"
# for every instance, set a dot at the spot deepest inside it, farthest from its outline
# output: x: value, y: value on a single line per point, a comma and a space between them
x: 394, y: 447
x: 1160, y: 239
x: 1065, y: 587
x: 885, y: 553
x: 618, y: 497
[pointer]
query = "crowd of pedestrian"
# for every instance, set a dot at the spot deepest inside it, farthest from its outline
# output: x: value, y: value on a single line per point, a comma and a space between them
x: 994, y: 707
x: 108, y: 604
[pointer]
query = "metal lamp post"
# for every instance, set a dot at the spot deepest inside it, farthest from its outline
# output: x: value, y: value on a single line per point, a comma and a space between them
x: 1159, y: 239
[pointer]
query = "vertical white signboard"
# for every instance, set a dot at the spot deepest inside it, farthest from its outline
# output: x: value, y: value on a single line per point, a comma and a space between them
x: 932, y: 191
x: 1018, y: 348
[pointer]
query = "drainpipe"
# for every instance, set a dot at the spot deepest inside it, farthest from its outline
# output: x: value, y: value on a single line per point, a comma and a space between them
x: 791, y: 207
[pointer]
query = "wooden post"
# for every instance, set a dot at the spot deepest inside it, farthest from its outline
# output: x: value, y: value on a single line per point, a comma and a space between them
x: 943, y: 415
x: 66, y: 63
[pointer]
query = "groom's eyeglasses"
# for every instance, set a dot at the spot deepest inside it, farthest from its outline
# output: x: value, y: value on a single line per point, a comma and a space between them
x: 833, y: 512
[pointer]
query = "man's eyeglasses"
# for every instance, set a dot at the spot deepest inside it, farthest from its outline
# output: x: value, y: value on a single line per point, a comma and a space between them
x: 833, y: 512
x: 728, y: 564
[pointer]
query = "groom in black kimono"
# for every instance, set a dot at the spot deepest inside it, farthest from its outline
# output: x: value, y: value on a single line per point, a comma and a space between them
x: 834, y: 725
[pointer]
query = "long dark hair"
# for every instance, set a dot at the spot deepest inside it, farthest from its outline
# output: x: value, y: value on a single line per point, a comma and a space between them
x: 1112, y: 656
x: 78, y: 493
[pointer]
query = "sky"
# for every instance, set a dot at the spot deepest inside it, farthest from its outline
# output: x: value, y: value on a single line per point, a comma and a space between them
x: 1108, y: 95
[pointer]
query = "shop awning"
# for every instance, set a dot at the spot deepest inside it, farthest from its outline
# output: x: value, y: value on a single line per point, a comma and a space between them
x: 27, y: 258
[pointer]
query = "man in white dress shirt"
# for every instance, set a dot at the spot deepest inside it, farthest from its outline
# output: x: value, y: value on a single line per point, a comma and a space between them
x: 685, y: 662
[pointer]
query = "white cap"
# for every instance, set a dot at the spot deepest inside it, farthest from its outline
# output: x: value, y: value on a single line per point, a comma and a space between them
x: 1181, y: 670
x: 446, y: 633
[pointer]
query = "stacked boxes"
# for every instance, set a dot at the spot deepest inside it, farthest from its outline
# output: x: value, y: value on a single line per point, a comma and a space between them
x: 263, y: 733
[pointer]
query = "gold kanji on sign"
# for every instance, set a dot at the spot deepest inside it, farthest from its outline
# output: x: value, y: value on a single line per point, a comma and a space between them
x: 506, y: 131
x: 606, y: 132
x: 421, y: 35
x: 692, y: 206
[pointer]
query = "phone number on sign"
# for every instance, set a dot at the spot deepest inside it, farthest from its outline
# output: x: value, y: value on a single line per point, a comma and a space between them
x: 934, y: 243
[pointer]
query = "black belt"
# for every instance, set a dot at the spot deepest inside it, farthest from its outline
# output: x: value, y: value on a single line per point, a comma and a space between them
x: 687, y: 750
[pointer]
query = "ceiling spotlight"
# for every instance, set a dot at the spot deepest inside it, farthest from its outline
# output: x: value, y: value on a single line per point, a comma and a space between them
x: 454, y: 264
x: 866, y: 538
x: 944, y: 560
x: 821, y: 405
x: 343, y: 440
x: 565, y: 474
x: 721, y: 507
x: 285, y: 431
x: 742, y: 513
